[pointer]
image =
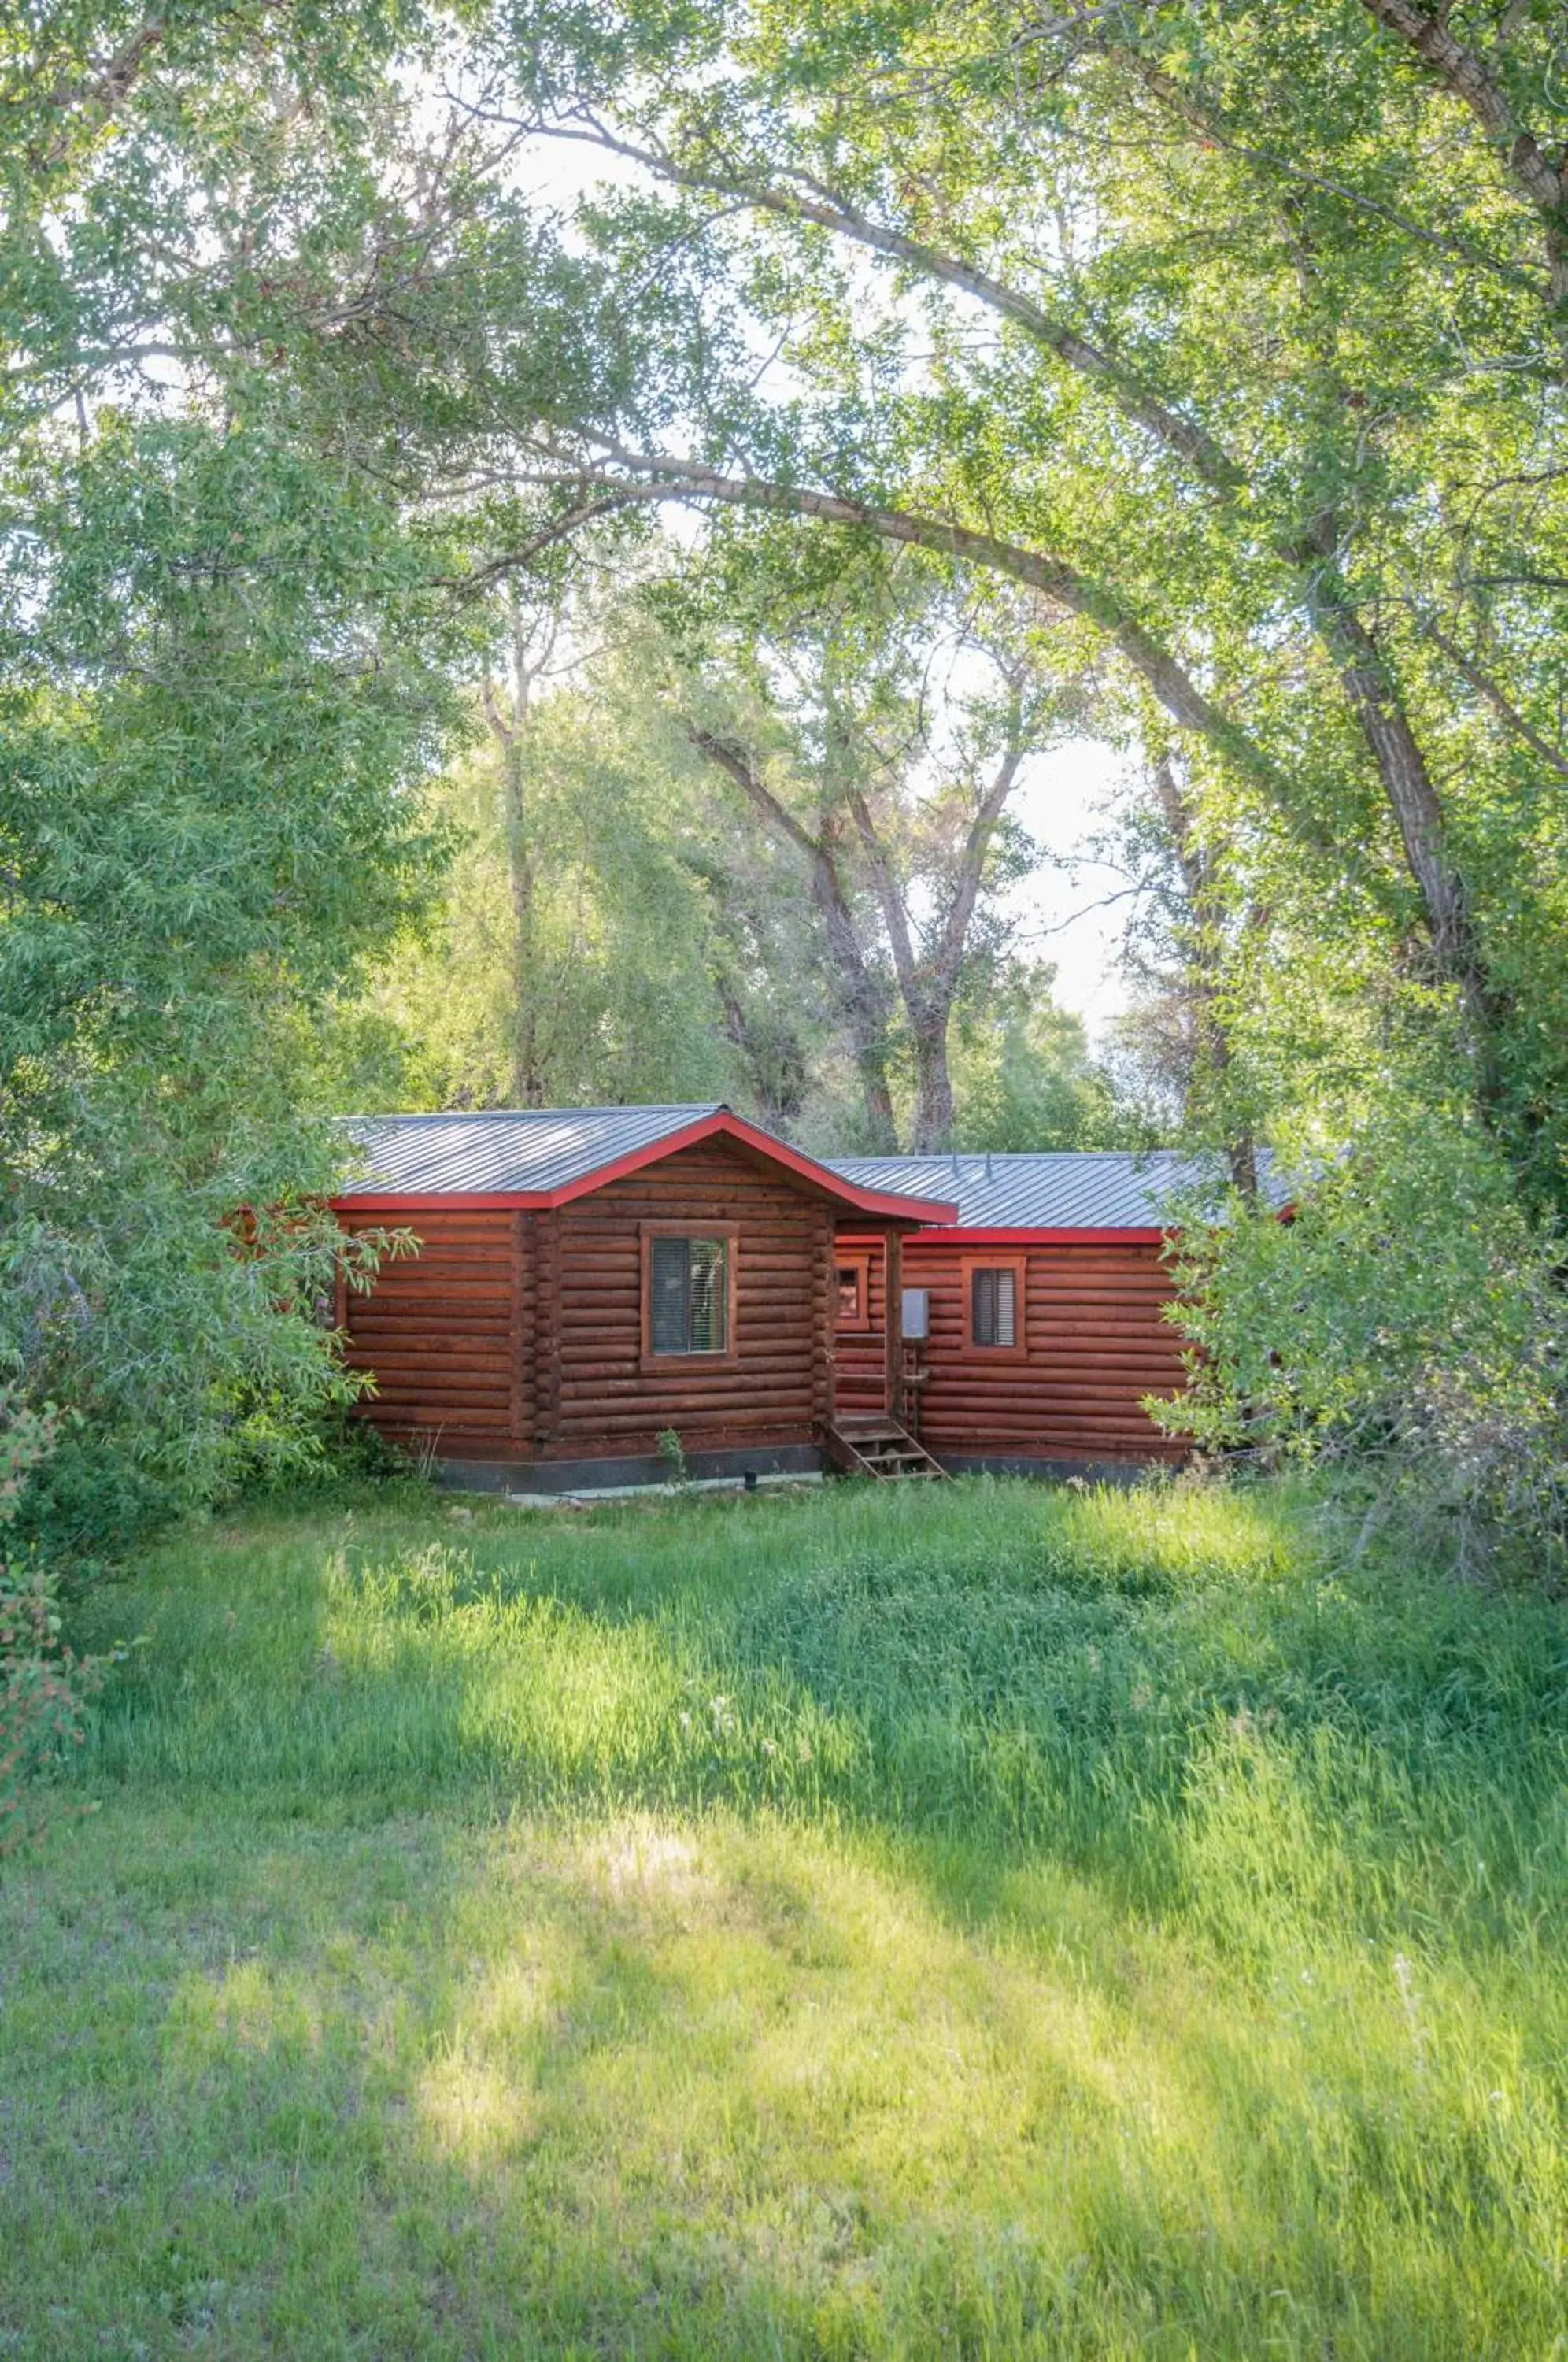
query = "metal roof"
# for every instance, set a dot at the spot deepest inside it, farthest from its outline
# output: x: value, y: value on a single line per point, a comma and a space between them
x: 1103, y: 1189
x: 544, y: 1156
x: 522, y: 1150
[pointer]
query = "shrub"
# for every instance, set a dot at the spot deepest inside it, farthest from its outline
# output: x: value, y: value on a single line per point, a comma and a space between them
x: 1406, y: 1325
x: 44, y: 1685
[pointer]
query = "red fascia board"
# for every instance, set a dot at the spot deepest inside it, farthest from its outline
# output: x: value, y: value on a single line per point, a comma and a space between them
x: 913, y: 1211
x: 433, y: 1202
x: 918, y: 1213
x: 762, y: 1144
x: 884, y: 1202
x: 1082, y: 1236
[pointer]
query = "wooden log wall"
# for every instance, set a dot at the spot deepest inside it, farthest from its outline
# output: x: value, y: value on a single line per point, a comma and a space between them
x: 1095, y: 1346
x: 517, y: 1336
x: 447, y: 1333
x: 777, y: 1391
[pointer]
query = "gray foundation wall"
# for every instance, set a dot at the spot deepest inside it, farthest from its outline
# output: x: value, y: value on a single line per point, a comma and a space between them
x: 588, y: 1475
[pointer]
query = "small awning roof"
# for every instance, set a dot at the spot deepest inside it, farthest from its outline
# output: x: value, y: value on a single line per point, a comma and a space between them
x: 543, y: 1157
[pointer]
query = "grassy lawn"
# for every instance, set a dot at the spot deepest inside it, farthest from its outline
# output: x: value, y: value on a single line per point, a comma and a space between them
x: 874, y: 1922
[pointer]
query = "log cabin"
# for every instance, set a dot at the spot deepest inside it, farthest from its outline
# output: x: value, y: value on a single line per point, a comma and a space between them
x: 1033, y: 1324
x: 590, y: 1280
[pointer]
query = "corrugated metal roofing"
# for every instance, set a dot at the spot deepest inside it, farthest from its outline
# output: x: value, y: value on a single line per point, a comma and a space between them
x: 522, y: 1149
x: 548, y: 1155
x: 1064, y: 1190
x: 539, y: 1151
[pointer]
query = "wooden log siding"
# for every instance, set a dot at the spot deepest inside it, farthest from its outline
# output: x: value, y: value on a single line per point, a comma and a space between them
x: 773, y: 1392
x: 1095, y: 1342
x: 517, y: 1336
x: 444, y: 1334
x: 1094, y: 1346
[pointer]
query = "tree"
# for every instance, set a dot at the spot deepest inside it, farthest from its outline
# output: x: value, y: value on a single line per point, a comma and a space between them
x: 1224, y: 396
x: 216, y: 704
x: 877, y: 719
x: 1190, y: 945
x: 573, y: 959
x: 1024, y: 1076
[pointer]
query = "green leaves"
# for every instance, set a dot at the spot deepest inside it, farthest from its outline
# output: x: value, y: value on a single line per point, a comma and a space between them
x: 221, y: 692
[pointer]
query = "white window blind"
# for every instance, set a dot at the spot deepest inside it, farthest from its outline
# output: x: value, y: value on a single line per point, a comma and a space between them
x: 994, y: 1310
x: 689, y: 1299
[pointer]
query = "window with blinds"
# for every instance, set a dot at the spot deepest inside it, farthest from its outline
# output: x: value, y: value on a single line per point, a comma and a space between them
x: 688, y: 1295
x: 994, y: 1307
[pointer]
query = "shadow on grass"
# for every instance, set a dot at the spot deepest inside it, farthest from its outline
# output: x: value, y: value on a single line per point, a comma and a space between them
x: 638, y: 2089
x: 1002, y: 1925
x: 1175, y: 1696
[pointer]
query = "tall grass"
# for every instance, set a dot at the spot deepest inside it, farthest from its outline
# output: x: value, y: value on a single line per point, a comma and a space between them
x: 989, y: 1920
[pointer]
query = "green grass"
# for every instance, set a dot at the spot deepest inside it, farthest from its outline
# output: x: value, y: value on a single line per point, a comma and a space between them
x: 987, y: 1922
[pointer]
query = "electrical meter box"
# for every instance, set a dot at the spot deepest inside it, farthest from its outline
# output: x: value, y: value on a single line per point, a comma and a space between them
x: 917, y: 1312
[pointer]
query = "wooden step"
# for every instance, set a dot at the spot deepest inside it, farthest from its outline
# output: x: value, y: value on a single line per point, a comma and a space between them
x: 881, y: 1449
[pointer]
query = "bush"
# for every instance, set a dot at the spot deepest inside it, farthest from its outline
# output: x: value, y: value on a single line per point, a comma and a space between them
x: 187, y: 1346
x: 1405, y: 1325
x: 43, y: 1685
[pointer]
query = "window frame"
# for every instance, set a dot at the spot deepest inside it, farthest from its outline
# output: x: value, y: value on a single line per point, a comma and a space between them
x: 1019, y: 1267
x: 859, y: 1260
x: 703, y: 1232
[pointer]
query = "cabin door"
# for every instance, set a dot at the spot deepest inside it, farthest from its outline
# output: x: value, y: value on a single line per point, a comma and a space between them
x: 867, y: 1364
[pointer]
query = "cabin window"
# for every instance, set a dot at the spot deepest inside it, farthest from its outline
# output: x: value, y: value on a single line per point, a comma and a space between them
x: 852, y: 1276
x: 688, y: 1295
x: 993, y: 1308
x: 996, y: 1308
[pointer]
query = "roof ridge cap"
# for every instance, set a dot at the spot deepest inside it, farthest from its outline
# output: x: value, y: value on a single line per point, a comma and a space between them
x: 512, y: 1115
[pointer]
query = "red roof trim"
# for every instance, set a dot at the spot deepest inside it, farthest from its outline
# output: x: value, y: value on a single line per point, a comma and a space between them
x: 1082, y: 1235
x: 724, y: 1125
x: 750, y: 1135
x: 431, y: 1201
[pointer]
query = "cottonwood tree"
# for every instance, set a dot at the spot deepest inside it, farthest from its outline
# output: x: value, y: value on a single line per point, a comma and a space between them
x: 575, y: 956
x: 1190, y: 950
x: 220, y: 698
x: 1238, y: 336
x: 533, y: 636
x: 878, y: 720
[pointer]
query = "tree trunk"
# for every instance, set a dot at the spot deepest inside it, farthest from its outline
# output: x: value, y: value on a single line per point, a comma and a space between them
x: 1212, y: 1041
x: 861, y: 998
x: 1373, y: 698
x: 932, y: 1125
x: 509, y: 729
x: 776, y: 1068
x: 527, y: 1082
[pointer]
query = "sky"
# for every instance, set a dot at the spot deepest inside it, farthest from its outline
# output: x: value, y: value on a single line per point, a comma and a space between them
x: 1063, y: 911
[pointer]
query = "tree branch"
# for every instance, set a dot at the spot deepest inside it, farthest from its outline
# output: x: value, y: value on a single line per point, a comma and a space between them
x: 743, y: 771
x: 1541, y: 183
x: 895, y: 918
x: 811, y: 201
x: 1501, y: 704
x: 972, y: 863
x: 1171, y: 684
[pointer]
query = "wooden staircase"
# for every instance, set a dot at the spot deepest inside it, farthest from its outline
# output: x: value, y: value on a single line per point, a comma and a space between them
x: 877, y: 1446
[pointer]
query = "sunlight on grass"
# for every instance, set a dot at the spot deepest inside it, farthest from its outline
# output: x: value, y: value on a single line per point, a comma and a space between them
x: 1032, y: 1925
